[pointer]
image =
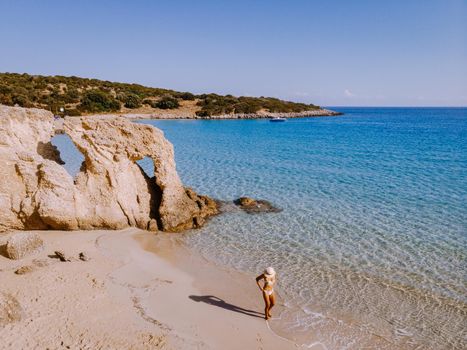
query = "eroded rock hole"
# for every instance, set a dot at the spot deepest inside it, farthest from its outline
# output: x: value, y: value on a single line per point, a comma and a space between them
x: 146, y: 166
x: 72, y: 159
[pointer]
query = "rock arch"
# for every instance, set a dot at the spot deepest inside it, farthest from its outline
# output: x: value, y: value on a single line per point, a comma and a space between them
x: 110, y: 191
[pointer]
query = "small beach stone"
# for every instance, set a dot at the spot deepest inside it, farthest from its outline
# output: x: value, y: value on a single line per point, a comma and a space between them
x: 23, y: 244
x: 24, y: 270
x: 83, y: 256
x: 10, y: 309
x: 61, y: 255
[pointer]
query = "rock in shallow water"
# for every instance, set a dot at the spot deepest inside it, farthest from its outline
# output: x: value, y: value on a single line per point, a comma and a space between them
x: 253, y: 206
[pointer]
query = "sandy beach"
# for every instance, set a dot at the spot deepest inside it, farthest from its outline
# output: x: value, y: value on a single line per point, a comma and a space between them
x: 137, y: 291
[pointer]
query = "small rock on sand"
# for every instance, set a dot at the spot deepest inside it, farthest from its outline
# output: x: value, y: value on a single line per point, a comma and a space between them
x: 61, y: 255
x: 10, y: 309
x: 24, y: 270
x: 83, y: 256
x: 22, y: 244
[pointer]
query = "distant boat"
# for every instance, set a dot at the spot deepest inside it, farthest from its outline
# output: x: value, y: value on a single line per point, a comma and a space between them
x: 278, y: 119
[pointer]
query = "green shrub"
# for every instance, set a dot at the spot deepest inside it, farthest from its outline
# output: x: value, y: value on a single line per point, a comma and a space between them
x: 98, y: 101
x: 5, y: 89
x: 71, y: 96
x: 121, y: 96
x: 247, y: 108
x: 150, y: 103
x: 132, y: 101
x: 186, y: 96
x: 167, y: 102
x: 6, y: 100
x: 21, y: 101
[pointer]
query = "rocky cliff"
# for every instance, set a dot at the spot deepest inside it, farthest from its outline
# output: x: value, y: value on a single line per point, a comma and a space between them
x: 110, y: 191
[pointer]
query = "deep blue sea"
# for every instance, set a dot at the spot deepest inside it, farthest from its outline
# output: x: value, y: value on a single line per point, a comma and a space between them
x: 371, y: 245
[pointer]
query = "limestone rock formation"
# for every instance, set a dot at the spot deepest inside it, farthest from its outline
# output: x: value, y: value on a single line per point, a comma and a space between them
x: 22, y: 244
x: 110, y: 191
x: 10, y: 309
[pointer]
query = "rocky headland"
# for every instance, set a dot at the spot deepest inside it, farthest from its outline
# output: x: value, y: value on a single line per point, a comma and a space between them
x: 75, y: 96
x: 321, y: 112
x: 110, y: 191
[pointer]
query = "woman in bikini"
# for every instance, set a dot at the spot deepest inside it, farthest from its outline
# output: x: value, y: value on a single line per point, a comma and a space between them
x: 269, y: 277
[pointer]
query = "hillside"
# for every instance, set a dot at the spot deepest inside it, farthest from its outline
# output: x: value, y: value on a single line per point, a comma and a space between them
x: 82, y: 96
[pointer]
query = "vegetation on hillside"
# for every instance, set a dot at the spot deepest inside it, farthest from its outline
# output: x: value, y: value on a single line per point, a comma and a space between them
x: 83, y: 96
x: 213, y: 104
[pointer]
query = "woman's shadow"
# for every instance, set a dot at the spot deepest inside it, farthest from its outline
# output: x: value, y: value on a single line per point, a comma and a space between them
x: 213, y: 300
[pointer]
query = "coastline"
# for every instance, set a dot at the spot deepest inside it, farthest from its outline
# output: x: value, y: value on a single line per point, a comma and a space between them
x: 260, y: 115
x: 137, y: 291
x: 181, y: 115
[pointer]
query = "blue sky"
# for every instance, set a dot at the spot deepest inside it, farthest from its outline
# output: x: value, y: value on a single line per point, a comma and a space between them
x: 362, y: 53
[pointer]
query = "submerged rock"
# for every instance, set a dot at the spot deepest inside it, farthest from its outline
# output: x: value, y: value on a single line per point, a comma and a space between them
x: 110, y: 191
x: 253, y: 206
x: 22, y: 244
x: 245, y: 201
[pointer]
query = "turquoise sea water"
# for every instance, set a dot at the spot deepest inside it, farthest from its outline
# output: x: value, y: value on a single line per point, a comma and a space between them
x: 371, y: 245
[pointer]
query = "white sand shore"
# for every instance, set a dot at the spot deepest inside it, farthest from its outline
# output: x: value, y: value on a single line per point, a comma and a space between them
x: 127, y: 297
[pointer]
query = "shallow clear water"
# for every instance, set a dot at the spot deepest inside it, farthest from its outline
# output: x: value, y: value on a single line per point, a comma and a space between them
x: 371, y: 247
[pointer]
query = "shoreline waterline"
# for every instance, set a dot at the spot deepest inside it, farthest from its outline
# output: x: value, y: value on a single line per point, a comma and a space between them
x: 339, y: 331
x: 211, y: 278
x: 233, y: 295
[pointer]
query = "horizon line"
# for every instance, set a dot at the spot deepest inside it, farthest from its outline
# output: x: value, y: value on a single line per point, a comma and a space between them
x: 342, y: 106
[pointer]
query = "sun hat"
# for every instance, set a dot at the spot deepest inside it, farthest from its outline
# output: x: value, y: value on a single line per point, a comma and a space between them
x: 269, y: 271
